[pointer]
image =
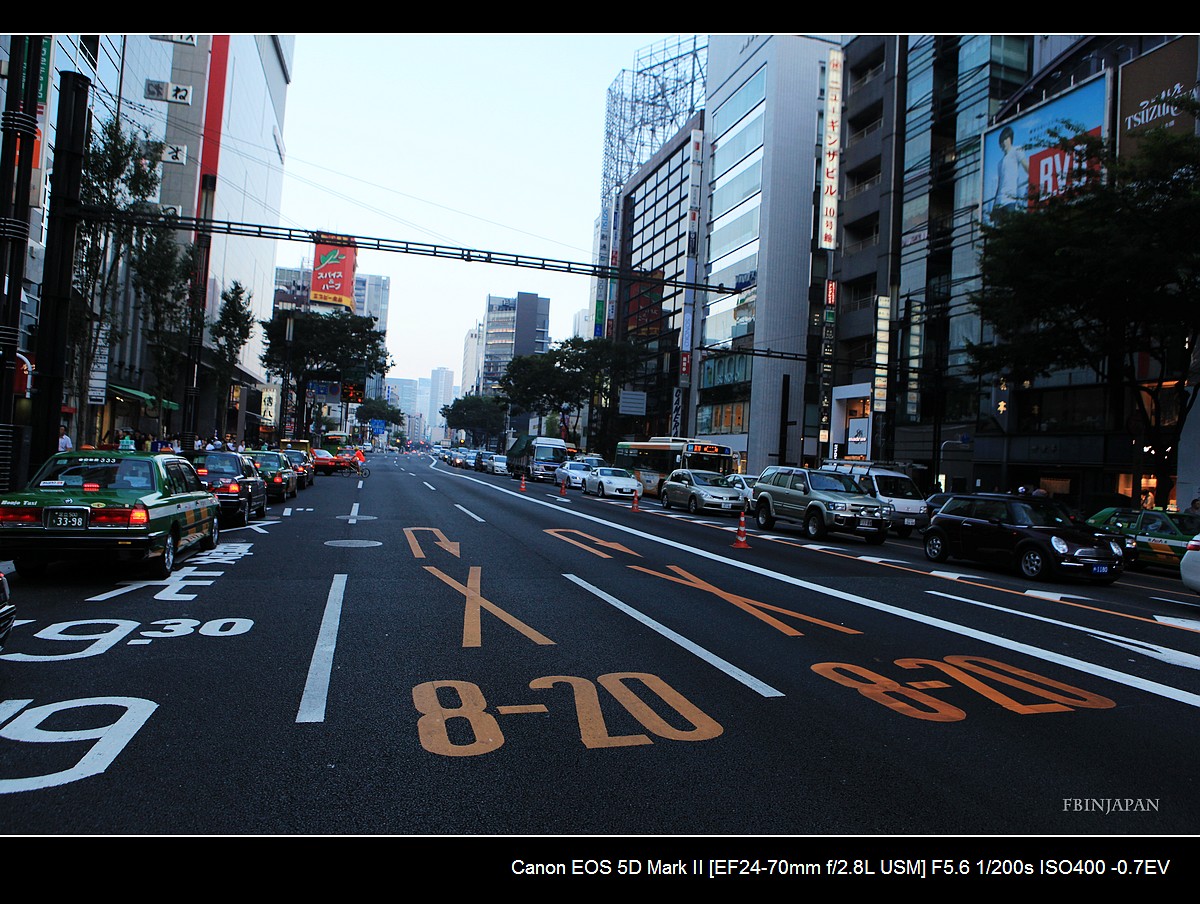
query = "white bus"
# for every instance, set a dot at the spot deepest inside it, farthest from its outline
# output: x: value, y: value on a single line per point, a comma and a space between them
x: 653, y: 460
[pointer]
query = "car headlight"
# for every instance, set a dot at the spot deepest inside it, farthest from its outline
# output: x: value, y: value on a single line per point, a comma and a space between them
x: 837, y: 506
x: 1059, y: 544
x: 1115, y: 548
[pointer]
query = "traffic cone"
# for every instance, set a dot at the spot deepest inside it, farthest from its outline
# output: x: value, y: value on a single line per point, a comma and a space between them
x: 741, y: 543
x: 563, y: 489
x: 522, y: 483
x: 636, y: 495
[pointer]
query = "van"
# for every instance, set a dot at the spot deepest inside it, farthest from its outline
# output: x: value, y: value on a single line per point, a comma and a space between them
x: 887, y: 482
x: 536, y: 457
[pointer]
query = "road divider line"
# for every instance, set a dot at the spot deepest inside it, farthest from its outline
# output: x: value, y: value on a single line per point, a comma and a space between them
x: 316, y: 687
x: 428, y: 484
x: 759, y: 687
x: 466, y: 512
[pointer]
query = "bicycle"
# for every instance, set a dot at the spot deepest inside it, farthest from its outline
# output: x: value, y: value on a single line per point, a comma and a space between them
x: 358, y: 469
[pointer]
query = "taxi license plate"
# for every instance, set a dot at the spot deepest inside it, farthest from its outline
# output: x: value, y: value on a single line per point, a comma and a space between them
x: 66, y: 519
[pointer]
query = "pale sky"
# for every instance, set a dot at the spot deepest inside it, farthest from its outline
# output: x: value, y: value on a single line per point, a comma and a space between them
x: 493, y: 142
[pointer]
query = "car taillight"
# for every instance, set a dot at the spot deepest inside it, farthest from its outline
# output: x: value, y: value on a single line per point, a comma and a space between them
x: 233, y: 488
x: 202, y: 471
x: 277, y: 479
x: 1194, y: 545
x: 21, y: 515
x: 139, y: 514
x: 91, y: 488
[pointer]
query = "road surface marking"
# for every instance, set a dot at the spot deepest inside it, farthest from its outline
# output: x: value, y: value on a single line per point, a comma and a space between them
x: 316, y: 688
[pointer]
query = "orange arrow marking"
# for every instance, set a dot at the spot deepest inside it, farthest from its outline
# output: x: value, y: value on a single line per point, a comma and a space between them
x: 418, y: 553
x: 607, y: 544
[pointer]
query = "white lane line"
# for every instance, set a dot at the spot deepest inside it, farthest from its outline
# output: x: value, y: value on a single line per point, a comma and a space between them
x: 712, y: 659
x: 428, y: 484
x: 1161, y: 653
x: 876, y: 605
x: 353, y: 514
x: 316, y: 688
x: 465, y: 512
x: 287, y: 511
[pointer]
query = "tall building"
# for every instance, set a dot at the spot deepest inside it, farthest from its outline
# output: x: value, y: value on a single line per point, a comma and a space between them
x: 763, y: 121
x: 441, y: 393
x: 512, y: 327
x: 372, y: 294
x: 472, y: 360
x: 224, y: 156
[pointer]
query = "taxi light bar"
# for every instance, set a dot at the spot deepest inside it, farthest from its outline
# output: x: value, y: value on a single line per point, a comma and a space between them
x: 91, y: 488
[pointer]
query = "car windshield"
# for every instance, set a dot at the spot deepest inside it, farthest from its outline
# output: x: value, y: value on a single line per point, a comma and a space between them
x: 828, y: 482
x: 709, y: 479
x: 321, y: 453
x: 268, y: 459
x: 896, y: 487
x: 295, y: 455
x: 1040, y: 514
x: 95, y: 474
x: 219, y: 465
x: 613, y: 472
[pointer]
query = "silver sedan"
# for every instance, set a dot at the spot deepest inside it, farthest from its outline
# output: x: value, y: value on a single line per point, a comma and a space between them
x: 701, y: 491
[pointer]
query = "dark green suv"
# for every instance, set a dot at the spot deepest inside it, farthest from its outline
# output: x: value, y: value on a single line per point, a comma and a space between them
x: 821, y: 501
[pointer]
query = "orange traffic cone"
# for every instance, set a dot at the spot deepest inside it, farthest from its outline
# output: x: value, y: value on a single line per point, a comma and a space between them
x: 563, y: 489
x: 741, y: 543
x: 522, y: 483
x: 636, y: 496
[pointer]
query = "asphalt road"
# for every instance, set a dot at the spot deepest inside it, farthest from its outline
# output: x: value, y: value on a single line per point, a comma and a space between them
x: 435, y: 652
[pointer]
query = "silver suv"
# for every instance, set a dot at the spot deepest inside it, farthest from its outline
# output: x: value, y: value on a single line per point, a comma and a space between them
x: 821, y: 501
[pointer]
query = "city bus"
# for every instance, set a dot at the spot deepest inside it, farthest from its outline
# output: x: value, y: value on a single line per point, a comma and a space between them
x: 653, y: 460
x: 335, y: 442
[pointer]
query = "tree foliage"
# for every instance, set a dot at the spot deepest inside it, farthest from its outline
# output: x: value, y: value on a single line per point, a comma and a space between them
x: 230, y: 332
x: 378, y: 410
x: 1104, y: 276
x: 120, y: 172
x: 162, y: 274
x: 482, y: 417
x: 323, y: 346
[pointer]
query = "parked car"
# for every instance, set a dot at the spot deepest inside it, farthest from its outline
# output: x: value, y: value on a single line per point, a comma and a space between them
x: 233, y: 479
x: 571, y: 473
x: 1152, y: 537
x: 8, y: 612
x: 822, y: 502
x: 277, y: 471
x: 609, y: 481
x: 1037, y: 536
x: 1189, y: 565
x: 88, y: 504
x: 593, y: 461
x: 700, y: 491
x: 745, y: 487
x: 304, y: 466
x: 498, y: 464
x: 481, y: 460
x: 885, y: 482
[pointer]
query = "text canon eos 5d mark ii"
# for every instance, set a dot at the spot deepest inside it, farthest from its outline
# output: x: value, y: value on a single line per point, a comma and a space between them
x: 821, y: 501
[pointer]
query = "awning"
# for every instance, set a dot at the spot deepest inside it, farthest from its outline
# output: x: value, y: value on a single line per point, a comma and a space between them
x: 145, y: 397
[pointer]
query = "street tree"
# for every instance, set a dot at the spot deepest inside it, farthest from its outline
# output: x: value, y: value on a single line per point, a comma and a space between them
x: 482, y: 417
x: 162, y: 273
x: 121, y: 173
x: 1105, y: 276
x: 230, y: 332
x: 322, y: 347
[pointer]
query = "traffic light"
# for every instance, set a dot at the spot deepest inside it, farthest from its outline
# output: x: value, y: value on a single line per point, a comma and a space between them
x: 353, y: 391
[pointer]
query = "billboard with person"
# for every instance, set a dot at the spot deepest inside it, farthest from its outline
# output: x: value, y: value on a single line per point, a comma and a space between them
x: 1022, y: 160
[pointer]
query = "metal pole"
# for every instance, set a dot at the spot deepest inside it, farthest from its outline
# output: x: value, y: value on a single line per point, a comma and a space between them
x: 191, y: 393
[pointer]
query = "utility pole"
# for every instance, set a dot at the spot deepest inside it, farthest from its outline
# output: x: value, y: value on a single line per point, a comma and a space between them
x: 19, y: 124
x: 66, y: 186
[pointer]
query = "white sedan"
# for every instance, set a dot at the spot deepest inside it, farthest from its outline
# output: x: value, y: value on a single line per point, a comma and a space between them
x: 571, y: 473
x: 611, y: 482
x: 745, y: 486
x: 1189, y: 565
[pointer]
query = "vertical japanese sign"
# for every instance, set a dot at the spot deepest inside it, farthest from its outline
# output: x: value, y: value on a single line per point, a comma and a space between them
x: 831, y: 152
x: 333, y: 274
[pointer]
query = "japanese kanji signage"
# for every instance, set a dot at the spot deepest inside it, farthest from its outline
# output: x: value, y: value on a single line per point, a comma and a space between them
x: 333, y: 274
x: 830, y: 153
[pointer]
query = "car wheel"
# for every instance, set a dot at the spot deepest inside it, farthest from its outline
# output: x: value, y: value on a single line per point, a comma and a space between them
x: 214, y: 536
x: 763, y: 517
x: 600, y: 490
x: 935, y: 548
x: 262, y: 508
x: 693, y: 505
x: 165, y: 564
x: 814, y: 525
x: 243, y: 515
x: 30, y: 569
x: 877, y: 538
x: 904, y: 532
x: 664, y: 498
x: 1032, y: 562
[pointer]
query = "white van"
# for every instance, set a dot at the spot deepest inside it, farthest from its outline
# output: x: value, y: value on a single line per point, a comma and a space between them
x: 888, y: 482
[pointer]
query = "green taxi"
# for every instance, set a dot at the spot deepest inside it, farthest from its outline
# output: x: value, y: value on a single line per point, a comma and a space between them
x: 129, y: 506
x: 1153, y: 537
